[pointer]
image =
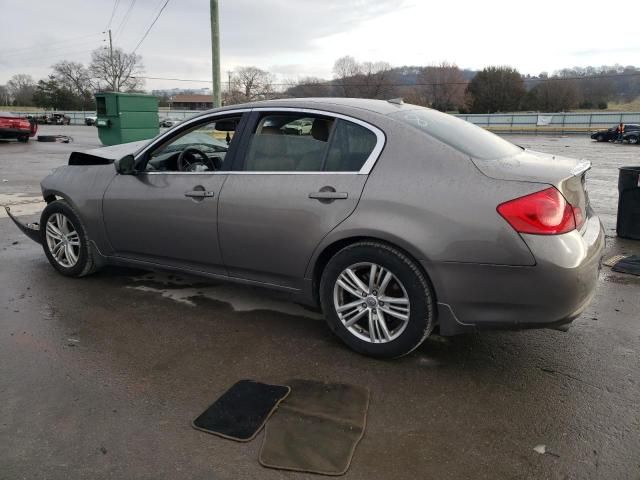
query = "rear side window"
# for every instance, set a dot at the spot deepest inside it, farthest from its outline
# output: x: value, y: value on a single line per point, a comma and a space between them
x: 290, y: 142
x: 459, y: 134
x: 350, y: 147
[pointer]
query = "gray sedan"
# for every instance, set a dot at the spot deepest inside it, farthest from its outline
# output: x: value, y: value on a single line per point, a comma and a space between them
x: 392, y: 218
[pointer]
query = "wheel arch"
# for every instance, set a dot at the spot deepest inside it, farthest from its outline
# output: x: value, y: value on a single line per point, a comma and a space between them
x: 330, y: 247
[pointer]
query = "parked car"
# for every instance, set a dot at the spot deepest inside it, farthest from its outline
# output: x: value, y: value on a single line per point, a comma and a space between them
x: 612, y: 133
x: 299, y: 127
x: 168, y: 122
x: 394, y: 219
x: 90, y: 120
x: 15, y: 126
x: 631, y: 136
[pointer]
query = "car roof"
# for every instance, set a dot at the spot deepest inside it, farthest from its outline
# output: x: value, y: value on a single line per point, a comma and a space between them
x: 333, y: 104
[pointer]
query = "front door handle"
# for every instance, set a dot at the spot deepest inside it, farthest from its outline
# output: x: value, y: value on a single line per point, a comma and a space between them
x: 329, y: 195
x: 199, y: 194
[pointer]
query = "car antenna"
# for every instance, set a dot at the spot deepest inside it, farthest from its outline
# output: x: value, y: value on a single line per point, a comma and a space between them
x: 397, y: 101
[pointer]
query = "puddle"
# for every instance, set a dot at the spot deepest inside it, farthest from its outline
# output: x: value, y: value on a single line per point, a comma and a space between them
x: 241, y: 298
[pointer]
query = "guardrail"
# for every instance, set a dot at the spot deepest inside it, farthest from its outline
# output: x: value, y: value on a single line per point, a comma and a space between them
x: 496, y: 122
x: 550, y: 122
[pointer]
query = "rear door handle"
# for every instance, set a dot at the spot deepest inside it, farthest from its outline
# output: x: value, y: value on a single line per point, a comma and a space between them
x: 198, y: 194
x: 329, y: 195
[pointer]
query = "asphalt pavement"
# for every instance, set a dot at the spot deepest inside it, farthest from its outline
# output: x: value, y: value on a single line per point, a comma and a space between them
x: 101, y: 377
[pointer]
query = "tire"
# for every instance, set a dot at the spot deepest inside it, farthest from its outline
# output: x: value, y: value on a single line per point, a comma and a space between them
x: 600, y: 138
x: 23, y: 139
x: 392, y: 337
x: 64, y: 263
x: 47, y: 138
x: 633, y: 140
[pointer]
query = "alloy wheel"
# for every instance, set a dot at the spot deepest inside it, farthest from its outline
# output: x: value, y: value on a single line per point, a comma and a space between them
x: 63, y: 240
x: 371, y: 302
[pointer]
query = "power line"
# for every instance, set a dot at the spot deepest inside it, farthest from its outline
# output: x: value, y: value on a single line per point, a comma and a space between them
x: 26, y: 50
x: 113, y: 12
x: 125, y: 19
x: 150, y: 26
x: 417, y: 84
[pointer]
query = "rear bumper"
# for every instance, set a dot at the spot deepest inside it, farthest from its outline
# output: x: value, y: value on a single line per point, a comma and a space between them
x: 551, y: 293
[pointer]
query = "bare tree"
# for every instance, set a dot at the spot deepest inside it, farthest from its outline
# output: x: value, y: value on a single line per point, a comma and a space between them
x: 442, y: 86
x: 345, y: 69
x: 249, y: 84
x: 117, y: 71
x: 74, y: 76
x: 21, y: 88
x: 374, y: 80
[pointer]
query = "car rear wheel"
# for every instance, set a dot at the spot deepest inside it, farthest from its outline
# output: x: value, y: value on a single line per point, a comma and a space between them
x: 23, y: 139
x: 377, y: 300
x: 600, y: 138
x: 65, y: 240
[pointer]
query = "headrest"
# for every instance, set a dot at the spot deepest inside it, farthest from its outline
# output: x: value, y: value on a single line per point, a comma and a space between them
x: 320, y: 129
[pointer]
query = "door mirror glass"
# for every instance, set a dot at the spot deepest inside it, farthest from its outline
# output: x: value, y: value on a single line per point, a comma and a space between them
x: 126, y: 165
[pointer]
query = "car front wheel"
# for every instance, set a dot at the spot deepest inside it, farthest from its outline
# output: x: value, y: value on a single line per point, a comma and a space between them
x: 377, y: 300
x: 632, y: 139
x: 65, y: 240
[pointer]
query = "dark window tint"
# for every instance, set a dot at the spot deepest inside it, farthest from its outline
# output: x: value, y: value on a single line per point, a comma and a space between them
x: 288, y: 143
x: 459, y: 134
x: 351, y: 146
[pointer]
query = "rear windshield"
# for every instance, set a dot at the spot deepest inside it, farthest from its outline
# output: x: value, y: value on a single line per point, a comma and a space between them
x: 9, y: 114
x: 459, y: 134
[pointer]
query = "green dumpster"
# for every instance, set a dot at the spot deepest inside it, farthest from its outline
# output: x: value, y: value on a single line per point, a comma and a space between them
x: 126, y: 117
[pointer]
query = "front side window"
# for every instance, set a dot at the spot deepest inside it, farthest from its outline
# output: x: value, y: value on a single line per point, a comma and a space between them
x: 200, y: 149
x: 289, y: 142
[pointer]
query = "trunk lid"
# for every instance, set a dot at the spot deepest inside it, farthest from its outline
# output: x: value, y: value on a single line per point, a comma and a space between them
x: 566, y: 174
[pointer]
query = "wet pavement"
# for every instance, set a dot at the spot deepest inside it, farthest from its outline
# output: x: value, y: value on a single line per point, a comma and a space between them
x: 100, y: 377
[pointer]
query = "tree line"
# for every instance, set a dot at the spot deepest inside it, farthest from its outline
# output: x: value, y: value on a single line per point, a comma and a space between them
x: 72, y: 85
x: 494, y: 89
x: 444, y: 86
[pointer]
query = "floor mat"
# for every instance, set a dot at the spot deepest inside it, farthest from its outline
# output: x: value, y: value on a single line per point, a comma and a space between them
x: 317, y: 428
x: 241, y: 412
x: 628, y: 265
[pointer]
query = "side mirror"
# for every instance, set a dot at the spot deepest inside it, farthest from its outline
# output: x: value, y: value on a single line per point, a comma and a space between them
x: 126, y: 165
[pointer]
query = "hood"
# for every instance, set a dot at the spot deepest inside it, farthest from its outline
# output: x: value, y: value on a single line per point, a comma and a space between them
x: 106, y: 155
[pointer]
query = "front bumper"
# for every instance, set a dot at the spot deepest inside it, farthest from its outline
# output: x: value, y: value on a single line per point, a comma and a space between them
x: 13, y: 132
x: 31, y: 230
x: 551, y: 293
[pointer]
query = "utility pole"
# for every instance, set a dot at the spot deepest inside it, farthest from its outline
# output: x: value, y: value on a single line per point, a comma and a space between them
x: 215, y: 55
x: 110, y: 47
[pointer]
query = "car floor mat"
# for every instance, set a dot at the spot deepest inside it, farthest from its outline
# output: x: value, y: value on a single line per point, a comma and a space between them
x: 241, y: 412
x: 629, y: 265
x: 316, y: 429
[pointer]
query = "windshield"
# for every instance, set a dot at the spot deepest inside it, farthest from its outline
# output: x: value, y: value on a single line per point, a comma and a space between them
x: 459, y: 134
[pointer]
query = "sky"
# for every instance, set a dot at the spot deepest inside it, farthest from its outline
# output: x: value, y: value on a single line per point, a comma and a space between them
x: 299, y: 38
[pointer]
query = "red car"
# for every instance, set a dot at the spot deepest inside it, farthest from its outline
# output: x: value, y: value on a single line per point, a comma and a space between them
x: 15, y: 126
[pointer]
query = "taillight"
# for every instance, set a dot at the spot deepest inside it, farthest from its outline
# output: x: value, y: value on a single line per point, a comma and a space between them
x: 541, y: 213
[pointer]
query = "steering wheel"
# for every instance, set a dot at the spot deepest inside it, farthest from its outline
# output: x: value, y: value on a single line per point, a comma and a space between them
x: 204, y: 165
